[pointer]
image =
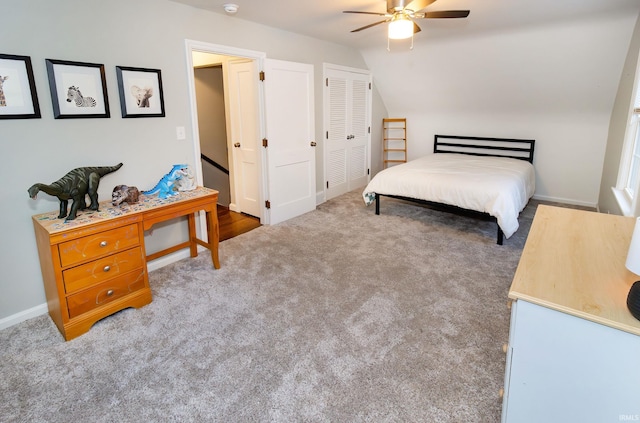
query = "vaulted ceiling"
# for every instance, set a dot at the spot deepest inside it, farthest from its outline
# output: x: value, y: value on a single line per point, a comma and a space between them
x: 549, y: 70
x: 324, y: 19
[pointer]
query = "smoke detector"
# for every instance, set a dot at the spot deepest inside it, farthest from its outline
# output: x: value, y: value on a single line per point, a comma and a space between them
x: 230, y: 8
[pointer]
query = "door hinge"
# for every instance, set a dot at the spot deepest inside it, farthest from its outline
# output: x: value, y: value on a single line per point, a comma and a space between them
x: 368, y: 171
x: 327, y: 82
x: 369, y: 130
x: 267, y: 204
x: 327, y: 184
x: 369, y: 85
x: 265, y: 142
x: 327, y: 134
x: 261, y: 75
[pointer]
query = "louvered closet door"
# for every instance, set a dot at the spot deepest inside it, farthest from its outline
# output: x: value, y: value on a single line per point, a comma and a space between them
x: 358, y: 156
x: 336, y: 137
x: 347, y: 123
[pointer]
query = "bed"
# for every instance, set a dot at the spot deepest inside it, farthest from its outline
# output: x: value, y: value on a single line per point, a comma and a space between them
x: 487, y: 178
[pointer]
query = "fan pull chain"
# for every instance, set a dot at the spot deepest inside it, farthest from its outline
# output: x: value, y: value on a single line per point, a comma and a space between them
x: 389, y: 44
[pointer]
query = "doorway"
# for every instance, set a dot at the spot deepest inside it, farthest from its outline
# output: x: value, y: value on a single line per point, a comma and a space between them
x: 212, y: 127
x: 285, y: 171
x: 226, y: 124
x: 212, y: 109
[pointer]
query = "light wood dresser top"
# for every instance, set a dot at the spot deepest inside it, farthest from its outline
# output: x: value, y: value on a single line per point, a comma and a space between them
x: 574, y: 262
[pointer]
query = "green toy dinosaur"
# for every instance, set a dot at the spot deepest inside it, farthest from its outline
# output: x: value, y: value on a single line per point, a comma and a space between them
x: 75, y: 185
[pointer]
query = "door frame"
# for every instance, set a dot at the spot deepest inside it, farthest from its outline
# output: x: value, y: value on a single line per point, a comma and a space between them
x: 191, y: 46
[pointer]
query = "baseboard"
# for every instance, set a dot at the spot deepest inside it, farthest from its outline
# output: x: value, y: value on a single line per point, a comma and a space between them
x: 171, y: 258
x: 41, y: 309
x: 320, y: 198
x: 565, y: 201
x: 20, y: 317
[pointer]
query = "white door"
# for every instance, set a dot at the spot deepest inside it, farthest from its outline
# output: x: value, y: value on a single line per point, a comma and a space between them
x: 245, y: 135
x: 336, y: 136
x: 358, y: 145
x: 290, y: 129
x: 347, y: 131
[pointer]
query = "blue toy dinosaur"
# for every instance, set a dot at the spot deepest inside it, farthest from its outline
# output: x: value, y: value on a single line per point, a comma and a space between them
x: 165, y: 187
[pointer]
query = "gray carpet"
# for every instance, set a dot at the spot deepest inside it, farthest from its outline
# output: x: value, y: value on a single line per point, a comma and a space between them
x: 335, y: 316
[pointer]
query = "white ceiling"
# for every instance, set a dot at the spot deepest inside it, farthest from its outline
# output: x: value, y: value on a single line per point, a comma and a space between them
x: 324, y: 19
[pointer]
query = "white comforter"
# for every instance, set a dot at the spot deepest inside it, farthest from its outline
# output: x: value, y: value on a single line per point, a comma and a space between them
x: 498, y: 186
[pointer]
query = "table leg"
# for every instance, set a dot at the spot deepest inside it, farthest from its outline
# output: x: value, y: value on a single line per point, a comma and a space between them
x: 213, y: 235
x: 193, y: 246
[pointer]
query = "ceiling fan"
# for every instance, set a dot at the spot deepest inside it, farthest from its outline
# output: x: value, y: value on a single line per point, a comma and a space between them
x: 401, y: 14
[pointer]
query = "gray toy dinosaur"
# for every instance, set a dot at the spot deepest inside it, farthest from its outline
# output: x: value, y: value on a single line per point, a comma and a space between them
x: 75, y: 185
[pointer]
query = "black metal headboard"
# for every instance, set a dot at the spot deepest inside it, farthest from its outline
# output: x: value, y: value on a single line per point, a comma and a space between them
x: 480, y: 146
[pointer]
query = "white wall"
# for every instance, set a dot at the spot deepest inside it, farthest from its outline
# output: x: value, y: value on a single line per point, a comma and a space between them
x: 138, y: 33
x: 617, y: 127
x: 554, y: 81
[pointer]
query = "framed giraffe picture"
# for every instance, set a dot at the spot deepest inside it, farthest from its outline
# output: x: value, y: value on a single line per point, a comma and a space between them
x: 140, y: 92
x: 18, y: 97
x: 78, y: 89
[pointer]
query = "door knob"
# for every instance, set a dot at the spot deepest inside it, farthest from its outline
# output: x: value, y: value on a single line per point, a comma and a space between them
x: 313, y: 144
x: 236, y: 145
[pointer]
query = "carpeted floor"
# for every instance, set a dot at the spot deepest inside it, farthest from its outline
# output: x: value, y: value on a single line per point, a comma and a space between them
x: 338, y: 315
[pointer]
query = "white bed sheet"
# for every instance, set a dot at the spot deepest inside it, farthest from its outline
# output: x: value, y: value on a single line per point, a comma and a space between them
x: 498, y: 186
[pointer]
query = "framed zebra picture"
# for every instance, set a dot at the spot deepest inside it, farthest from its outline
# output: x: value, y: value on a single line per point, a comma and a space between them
x: 18, y: 97
x: 78, y: 89
x: 140, y: 92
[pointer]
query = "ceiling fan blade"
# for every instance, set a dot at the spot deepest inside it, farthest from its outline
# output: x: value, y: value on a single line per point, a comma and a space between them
x: 370, y: 25
x: 417, y: 5
x: 443, y: 14
x: 364, y: 13
x: 416, y: 28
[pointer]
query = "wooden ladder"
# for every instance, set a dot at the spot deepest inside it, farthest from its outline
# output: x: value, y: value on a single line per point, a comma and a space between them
x: 394, y: 141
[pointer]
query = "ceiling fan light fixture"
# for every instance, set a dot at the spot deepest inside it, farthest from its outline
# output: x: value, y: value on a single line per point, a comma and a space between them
x: 400, y: 27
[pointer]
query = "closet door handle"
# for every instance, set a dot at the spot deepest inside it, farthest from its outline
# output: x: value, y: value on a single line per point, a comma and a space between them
x: 313, y: 144
x: 236, y: 145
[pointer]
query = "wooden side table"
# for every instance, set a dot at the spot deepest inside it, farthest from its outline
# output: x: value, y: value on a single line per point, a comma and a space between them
x: 96, y: 265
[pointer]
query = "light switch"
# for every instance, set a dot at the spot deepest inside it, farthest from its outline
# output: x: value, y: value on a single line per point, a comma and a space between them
x: 180, y: 133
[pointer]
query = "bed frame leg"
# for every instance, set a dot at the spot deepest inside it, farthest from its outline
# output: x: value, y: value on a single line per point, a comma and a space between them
x: 500, y: 236
x: 377, y: 203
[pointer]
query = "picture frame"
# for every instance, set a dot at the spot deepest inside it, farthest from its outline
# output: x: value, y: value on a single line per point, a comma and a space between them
x: 78, y: 89
x: 140, y: 91
x: 18, y: 96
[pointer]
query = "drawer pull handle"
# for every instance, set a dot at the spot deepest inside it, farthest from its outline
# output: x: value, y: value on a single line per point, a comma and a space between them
x: 103, y: 244
x: 107, y: 268
x: 109, y: 292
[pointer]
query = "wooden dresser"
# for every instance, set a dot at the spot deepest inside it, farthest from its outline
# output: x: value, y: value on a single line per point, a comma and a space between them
x: 96, y: 265
x: 574, y: 347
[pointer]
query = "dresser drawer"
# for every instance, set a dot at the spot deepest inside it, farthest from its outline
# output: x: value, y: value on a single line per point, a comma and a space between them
x: 89, y: 274
x: 105, y: 293
x: 98, y: 245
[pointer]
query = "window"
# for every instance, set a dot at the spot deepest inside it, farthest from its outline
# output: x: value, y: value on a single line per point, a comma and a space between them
x: 627, y: 190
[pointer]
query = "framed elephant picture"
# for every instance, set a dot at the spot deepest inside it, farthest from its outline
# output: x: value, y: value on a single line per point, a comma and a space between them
x: 140, y: 92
